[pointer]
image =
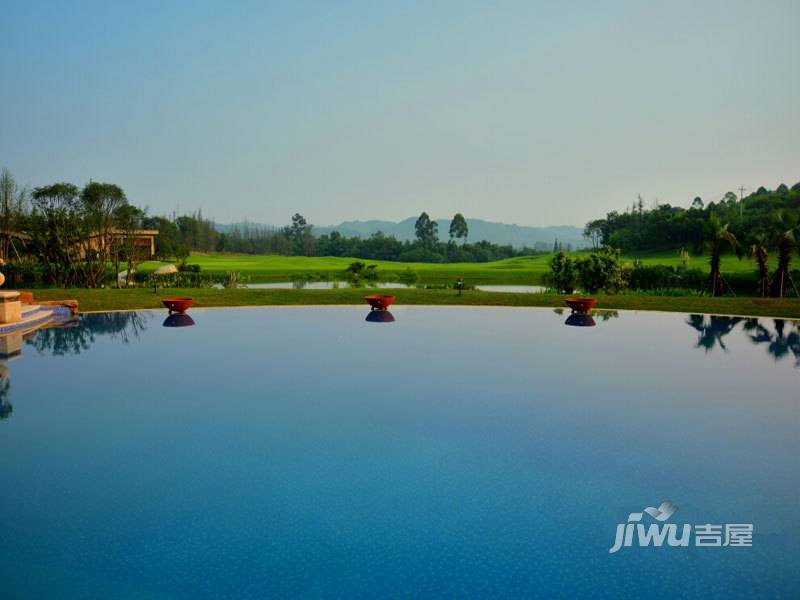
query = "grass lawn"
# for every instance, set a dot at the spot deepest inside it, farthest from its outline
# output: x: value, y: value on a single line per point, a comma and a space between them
x: 527, y: 269
x: 139, y: 298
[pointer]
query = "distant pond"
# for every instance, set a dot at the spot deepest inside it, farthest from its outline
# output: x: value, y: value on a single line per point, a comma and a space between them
x: 331, y: 285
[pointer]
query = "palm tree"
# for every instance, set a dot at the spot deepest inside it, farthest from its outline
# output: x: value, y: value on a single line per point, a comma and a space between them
x: 758, y: 250
x: 716, y: 236
x: 784, y: 230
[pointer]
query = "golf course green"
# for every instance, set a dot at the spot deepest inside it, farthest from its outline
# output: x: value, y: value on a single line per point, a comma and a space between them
x: 519, y: 270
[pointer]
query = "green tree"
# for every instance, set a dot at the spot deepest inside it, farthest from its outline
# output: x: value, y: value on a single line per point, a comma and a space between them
x: 593, y: 232
x: 784, y: 231
x: 563, y: 274
x: 55, y: 230
x: 426, y: 230
x: 301, y: 235
x: 459, y: 228
x: 12, y: 208
x: 759, y: 242
x: 716, y: 237
x: 98, y: 237
x: 128, y: 220
x: 601, y: 271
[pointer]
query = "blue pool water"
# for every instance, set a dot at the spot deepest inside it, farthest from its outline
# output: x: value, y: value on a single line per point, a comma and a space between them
x: 458, y: 452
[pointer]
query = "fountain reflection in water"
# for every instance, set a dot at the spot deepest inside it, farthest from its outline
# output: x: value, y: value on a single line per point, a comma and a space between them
x: 178, y: 320
x: 380, y: 316
x: 580, y: 320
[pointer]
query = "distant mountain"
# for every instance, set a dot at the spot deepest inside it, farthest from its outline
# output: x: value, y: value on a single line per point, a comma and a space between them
x: 497, y: 233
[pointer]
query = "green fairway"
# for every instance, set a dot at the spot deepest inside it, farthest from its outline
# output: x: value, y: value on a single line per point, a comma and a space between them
x: 526, y: 269
x: 138, y: 298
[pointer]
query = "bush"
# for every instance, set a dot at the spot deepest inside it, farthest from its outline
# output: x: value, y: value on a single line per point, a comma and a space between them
x: 563, y: 275
x: 601, y: 271
x: 22, y: 273
x: 408, y: 277
x: 371, y: 273
x: 185, y: 279
x: 653, y: 277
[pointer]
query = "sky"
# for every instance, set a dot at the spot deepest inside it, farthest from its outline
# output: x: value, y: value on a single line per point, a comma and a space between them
x: 536, y: 113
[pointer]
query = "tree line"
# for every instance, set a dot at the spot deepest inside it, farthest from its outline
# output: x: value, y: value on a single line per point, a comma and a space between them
x: 192, y: 233
x: 757, y: 225
x: 66, y: 235
x: 666, y: 227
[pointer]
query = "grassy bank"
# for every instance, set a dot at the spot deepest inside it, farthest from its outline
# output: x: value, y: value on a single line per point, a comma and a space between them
x: 520, y: 270
x: 139, y: 298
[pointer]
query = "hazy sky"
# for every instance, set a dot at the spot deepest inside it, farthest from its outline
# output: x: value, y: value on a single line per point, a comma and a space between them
x: 536, y: 113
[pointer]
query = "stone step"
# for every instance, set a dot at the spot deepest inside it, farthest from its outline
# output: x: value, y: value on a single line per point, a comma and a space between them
x: 29, y: 318
x: 29, y: 308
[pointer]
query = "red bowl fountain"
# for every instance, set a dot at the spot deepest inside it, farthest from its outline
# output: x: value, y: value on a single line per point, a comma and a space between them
x: 581, y: 305
x: 178, y: 305
x: 379, y: 302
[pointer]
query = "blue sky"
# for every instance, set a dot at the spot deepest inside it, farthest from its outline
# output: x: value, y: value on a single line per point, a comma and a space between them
x: 527, y: 112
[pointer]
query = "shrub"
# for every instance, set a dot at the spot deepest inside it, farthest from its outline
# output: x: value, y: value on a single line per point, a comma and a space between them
x: 601, y: 271
x: 22, y: 272
x: 408, y: 277
x: 185, y: 268
x: 355, y: 269
x: 653, y: 277
x: 184, y: 280
x: 563, y: 275
x: 371, y: 273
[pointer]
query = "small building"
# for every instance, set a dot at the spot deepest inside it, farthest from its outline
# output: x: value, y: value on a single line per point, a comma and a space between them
x: 143, y: 240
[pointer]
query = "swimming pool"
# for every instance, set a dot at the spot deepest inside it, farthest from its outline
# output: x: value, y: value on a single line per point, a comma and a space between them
x: 449, y: 452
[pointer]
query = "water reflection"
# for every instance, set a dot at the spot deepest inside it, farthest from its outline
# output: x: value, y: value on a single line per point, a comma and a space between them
x: 78, y: 336
x: 606, y: 315
x: 380, y: 316
x: 586, y: 319
x: 178, y: 321
x: 63, y: 337
x: 780, y: 339
x: 712, y: 331
x: 6, y: 407
x: 580, y: 320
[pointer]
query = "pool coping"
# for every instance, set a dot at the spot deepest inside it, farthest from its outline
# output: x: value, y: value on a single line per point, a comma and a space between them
x: 443, y: 306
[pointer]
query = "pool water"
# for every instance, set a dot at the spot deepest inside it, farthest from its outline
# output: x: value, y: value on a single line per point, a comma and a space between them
x: 458, y: 452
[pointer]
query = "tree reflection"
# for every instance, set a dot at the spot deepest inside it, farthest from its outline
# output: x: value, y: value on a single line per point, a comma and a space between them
x: 605, y: 315
x: 6, y: 407
x: 712, y: 331
x: 780, y: 342
x: 77, y: 336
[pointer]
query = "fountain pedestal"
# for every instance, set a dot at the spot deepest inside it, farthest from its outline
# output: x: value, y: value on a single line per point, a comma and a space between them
x: 10, y: 307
